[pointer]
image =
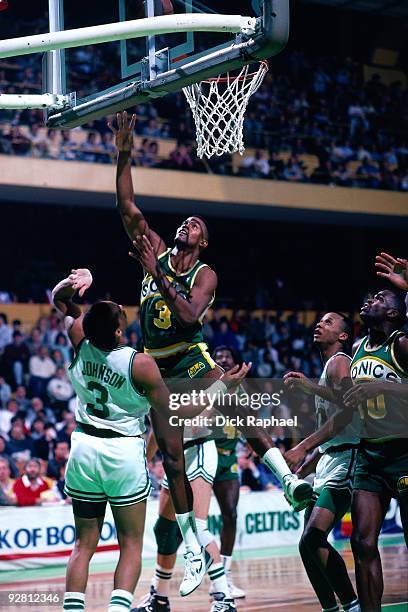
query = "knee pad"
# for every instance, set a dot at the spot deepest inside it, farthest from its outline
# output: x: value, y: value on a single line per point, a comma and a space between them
x: 314, y: 538
x: 168, y: 536
x: 402, y: 485
x: 204, y: 536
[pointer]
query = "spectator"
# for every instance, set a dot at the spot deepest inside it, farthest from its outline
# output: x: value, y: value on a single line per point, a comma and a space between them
x: 5, y: 332
x: 249, y: 474
x: 59, y: 390
x: 5, y: 392
x: 41, y: 368
x: 6, y: 415
x: 68, y: 148
x: 18, y: 441
x: 37, y: 409
x: 15, y: 360
x: 29, y: 487
x: 256, y: 166
x: 20, y: 396
x: 180, y: 158
x: 224, y: 336
x: 61, y: 453
x: 7, y: 496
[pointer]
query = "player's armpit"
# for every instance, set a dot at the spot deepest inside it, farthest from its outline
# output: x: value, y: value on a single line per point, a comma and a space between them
x: 75, y: 330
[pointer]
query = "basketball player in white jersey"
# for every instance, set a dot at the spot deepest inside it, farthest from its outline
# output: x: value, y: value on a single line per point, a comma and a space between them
x: 115, y: 387
x: 335, y: 446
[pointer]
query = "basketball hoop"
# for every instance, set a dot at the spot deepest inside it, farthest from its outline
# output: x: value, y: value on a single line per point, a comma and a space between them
x: 218, y: 106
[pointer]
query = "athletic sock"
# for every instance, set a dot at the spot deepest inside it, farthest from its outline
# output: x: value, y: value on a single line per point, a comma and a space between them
x: 353, y: 606
x: 162, y: 581
x: 334, y: 609
x: 120, y: 601
x: 273, y: 458
x: 74, y: 601
x: 188, y: 529
x: 219, y: 579
x: 226, y: 561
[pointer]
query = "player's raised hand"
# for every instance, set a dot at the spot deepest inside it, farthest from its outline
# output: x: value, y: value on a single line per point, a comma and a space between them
x: 80, y: 279
x: 236, y: 375
x: 298, y: 381
x: 394, y: 269
x: 145, y: 254
x: 124, y: 132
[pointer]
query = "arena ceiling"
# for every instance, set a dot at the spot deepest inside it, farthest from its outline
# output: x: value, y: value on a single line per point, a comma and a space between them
x: 393, y: 8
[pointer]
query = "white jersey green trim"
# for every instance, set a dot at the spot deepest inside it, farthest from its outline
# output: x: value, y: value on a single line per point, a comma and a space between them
x: 106, y: 395
x: 326, y: 409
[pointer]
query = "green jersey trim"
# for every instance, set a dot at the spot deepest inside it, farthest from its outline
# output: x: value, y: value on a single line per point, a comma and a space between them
x: 76, y: 356
x: 132, y: 382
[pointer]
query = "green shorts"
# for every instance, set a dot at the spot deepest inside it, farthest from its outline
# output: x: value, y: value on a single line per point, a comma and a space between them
x: 227, y: 468
x: 381, y: 466
x: 337, y: 501
x: 190, y: 364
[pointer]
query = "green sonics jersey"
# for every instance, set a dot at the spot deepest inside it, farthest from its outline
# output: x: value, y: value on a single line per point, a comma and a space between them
x: 383, y: 416
x: 227, y: 436
x: 163, y: 335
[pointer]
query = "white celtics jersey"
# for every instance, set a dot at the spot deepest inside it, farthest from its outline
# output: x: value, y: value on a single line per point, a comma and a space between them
x: 107, y: 397
x: 325, y: 409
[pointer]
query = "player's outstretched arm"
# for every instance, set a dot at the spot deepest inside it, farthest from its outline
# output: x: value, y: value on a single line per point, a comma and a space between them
x: 394, y: 269
x: 132, y: 217
x: 186, y: 310
x: 298, y: 381
x: 145, y: 373
x: 339, y: 381
x: 79, y: 280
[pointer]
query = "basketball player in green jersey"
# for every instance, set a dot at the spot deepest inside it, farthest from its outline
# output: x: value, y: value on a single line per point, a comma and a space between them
x: 176, y: 292
x: 337, y: 445
x: 115, y: 387
x: 226, y: 482
x: 379, y: 371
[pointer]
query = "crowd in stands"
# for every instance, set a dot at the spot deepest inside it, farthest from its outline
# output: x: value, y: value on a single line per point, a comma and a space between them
x: 313, y: 120
x: 37, y: 402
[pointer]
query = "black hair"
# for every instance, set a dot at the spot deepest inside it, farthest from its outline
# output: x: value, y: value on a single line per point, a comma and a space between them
x: 4, y: 317
x: 100, y: 324
x: 347, y: 327
x: 236, y: 355
x: 399, y: 304
x: 206, y: 225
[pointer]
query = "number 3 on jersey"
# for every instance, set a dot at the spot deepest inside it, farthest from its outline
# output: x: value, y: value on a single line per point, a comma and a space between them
x: 164, y: 319
x: 99, y: 409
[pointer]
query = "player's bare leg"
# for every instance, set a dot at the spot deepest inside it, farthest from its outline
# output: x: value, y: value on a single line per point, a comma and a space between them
x: 227, y: 494
x: 129, y: 522
x: 325, y: 567
x: 87, y: 532
x: 368, y: 512
x: 402, y: 486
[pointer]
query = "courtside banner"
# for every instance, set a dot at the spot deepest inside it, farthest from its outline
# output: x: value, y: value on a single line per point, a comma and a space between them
x: 40, y: 536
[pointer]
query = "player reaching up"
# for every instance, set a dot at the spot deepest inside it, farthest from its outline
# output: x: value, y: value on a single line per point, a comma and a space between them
x: 337, y: 440
x: 379, y: 371
x: 115, y: 386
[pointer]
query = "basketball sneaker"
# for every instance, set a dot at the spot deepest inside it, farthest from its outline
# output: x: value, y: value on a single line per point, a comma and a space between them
x: 236, y: 592
x: 298, y: 492
x: 222, y: 603
x: 153, y: 603
x: 194, y: 570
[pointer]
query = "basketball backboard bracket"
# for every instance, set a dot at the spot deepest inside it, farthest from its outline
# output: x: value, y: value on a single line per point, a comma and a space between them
x: 160, y: 73
x: 270, y: 38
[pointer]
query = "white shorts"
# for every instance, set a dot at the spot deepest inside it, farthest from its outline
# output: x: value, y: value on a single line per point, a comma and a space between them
x: 336, y: 470
x: 201, y: 462
x: 107, y: 469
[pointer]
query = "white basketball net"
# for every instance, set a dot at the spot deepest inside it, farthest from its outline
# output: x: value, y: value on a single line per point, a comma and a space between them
x: 218, y: 107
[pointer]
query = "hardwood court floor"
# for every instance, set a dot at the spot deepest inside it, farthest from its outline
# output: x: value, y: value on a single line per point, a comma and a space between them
x: 274, y: 582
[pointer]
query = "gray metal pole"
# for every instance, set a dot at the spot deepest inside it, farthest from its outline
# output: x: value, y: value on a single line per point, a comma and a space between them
x: 56, y: 59
x: 151, y: 41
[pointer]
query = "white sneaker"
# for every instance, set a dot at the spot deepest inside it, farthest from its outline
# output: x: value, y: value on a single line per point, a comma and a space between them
x: 298, y: 492
x: 194, y: 570
x: 222, y: 604
x: 236, y: 592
